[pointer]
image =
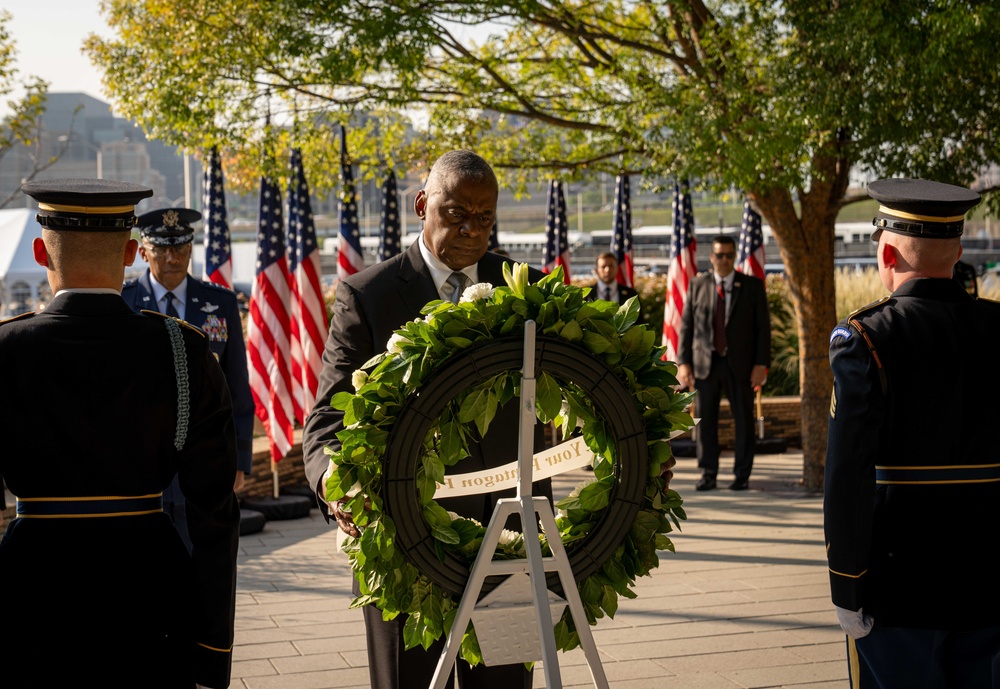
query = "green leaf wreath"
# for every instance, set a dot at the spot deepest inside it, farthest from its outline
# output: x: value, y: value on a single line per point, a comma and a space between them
x: 416, y: 350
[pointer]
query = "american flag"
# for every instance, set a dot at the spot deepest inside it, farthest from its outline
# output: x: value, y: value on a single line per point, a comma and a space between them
x: 218, y: 254
x: 683, y: 267
x: 556, y: 251
x: 268, y: 326
x: 308, y: 310
x: 750, y: 257
x: 621, y: 243
x: 390, y: 237
x: 350, y: 260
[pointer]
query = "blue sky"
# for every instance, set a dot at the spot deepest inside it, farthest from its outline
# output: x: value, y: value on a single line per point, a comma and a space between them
x: 49, y: 35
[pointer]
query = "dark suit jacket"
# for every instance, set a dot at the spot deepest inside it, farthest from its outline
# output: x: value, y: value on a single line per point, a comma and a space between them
x: 370, y: 305
x: 215, y: 310
x: 748, y: 326
x: 90, y: 408
x: 624, y: 293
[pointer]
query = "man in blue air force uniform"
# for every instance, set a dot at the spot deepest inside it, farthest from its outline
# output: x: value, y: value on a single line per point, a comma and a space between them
x: 912, y: 476
x: 167, y: 235
x: 98, y: 587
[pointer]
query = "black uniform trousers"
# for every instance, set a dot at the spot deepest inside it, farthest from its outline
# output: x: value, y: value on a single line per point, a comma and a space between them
x: 934, y: 658
x: 740, y: 395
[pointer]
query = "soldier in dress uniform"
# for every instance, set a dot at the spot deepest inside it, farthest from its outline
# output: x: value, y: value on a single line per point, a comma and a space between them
x: 912, y: 478
x: 102, y: 407
x: 167, y: 235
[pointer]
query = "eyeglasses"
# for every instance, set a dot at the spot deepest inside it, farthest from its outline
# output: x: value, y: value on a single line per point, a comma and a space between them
x: 725, y: 254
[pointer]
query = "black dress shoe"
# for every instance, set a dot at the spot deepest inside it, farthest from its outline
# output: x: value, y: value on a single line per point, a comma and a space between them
x: 739, y: 484
x: 705, y: 483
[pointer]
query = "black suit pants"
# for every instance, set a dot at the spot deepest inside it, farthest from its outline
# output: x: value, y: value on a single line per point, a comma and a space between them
x: 740, y: 395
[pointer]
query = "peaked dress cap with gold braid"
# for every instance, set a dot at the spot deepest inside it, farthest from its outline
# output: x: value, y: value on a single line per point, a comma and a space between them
x: 86, y: 205
x: 920, y: 208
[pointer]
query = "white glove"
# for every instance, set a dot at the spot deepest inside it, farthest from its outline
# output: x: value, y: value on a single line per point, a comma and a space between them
x: 856, y: 625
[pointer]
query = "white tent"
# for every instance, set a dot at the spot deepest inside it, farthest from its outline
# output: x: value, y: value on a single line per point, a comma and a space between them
x: 23, y: 283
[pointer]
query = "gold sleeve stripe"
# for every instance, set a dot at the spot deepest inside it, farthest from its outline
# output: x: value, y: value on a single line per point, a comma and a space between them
x: 849, y: 576
x: 213, y: 648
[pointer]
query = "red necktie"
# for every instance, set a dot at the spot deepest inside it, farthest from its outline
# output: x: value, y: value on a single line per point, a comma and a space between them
x: 719, y: 328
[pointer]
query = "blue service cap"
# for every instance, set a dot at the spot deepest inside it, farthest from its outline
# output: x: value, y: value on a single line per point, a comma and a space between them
x: 167, y: 226
x: 92, y: 205
x: 921, y: 208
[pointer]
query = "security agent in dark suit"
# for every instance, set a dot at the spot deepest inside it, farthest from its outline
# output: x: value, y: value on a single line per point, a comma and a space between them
x: 457, y: 205
x: 912, y: 480
x: 101, y: 408
x: 724, y: 345
x: 167, y: 235
x: 607, y: 287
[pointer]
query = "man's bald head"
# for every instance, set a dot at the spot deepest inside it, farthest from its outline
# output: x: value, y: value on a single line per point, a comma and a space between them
x: 84, y: 259
x: 459, y: 165
x: 904, y: 257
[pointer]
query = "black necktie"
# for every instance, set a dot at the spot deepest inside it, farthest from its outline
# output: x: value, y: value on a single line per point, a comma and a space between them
x: 719, y: 327
x: 169, y: 308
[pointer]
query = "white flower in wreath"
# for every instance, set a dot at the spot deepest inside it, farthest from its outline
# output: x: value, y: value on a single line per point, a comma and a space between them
x: 394, y: 345
x: 455, y: 515
x: 511, y: 538
x: 575, y: 493
x: 353, y: 490
x: 480, y: 290
x: 358, y: 379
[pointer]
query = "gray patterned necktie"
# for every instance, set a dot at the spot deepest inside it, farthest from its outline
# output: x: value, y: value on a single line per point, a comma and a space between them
x: 456, y: 282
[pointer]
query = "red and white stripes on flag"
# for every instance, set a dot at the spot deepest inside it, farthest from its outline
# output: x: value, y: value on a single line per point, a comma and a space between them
x: 308, y: 310
x: 218, y: 253
x: 621, y: 242
x: 683, y: 267
x: 268, y: 328
x: 750, y: 256
x: 556, y: 251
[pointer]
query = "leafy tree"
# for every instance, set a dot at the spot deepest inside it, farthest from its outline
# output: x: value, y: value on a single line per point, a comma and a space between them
x: 22, y: 125
x: 776, y: 99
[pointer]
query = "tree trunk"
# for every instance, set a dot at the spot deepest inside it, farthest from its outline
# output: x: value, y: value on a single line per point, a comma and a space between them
x: 806, y: 247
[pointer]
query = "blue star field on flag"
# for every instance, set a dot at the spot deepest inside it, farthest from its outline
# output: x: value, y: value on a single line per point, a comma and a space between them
x: 389, y: 233
x: 270, y: 226
x: 301, y: 229
x: 218, y: 266
x: 556, y: 251
x: 621, y: 242
x: 350, y: 259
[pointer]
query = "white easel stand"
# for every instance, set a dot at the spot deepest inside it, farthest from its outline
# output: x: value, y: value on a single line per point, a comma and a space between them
x: 532, y: 509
